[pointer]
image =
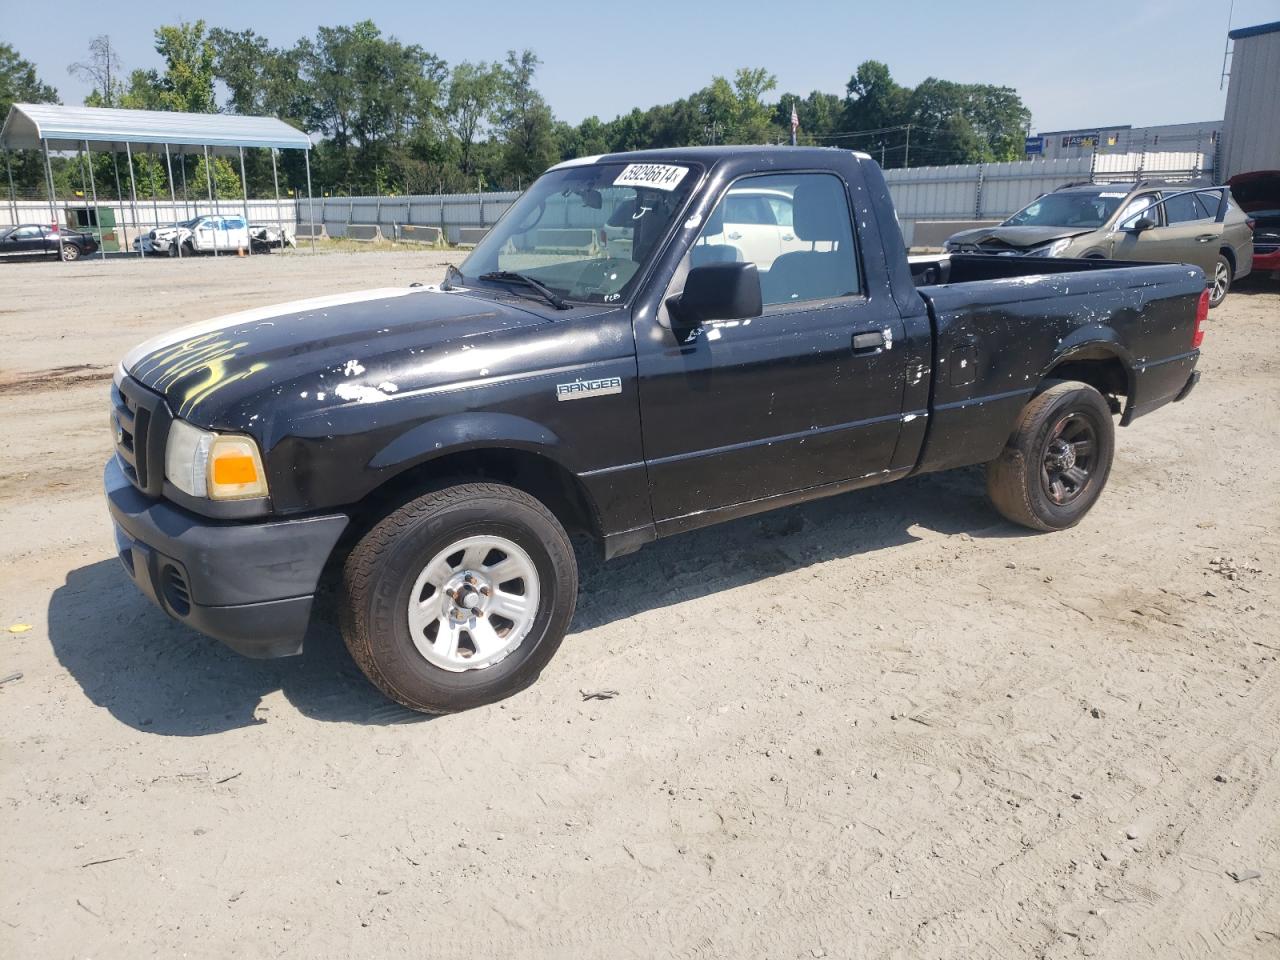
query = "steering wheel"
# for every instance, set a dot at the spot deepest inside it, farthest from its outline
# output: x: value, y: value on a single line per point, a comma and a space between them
x: 602, y: 276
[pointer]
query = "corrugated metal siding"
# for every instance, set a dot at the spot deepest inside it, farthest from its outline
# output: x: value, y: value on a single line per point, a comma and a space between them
x: 1251, y: 135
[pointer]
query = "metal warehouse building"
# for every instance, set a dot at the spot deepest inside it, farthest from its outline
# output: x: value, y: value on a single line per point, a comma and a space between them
x: 1251, y: 131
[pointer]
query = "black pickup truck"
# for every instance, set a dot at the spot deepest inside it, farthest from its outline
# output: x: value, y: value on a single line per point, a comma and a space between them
x: 645, y: 344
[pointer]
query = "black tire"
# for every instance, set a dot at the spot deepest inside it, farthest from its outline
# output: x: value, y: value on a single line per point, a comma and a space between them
x: 1021, y: 481
x: 1220, y: 282
x: 380, y: 574
x: 70, y: 253
x: 173, y: 249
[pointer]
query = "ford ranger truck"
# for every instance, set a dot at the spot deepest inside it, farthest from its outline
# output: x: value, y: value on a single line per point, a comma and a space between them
x: 609, y: 363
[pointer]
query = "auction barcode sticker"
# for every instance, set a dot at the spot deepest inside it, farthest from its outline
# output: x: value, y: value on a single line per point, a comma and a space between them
x: 658, y: 176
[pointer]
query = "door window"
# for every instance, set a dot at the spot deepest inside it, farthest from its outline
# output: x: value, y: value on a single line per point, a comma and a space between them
x: 1183, y: 208
x: 781, y: 210
x: 740, y: 208
x: 1208, y: 204
x: 26, y: 233
x: 820, y: 263
x: 1138, y: 208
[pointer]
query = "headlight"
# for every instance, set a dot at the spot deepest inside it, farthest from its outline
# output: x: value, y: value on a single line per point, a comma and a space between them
x: 1054, y: 249
x: 220, y: 466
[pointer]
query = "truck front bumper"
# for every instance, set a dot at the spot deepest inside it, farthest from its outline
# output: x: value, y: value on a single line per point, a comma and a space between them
x: 250, y: 585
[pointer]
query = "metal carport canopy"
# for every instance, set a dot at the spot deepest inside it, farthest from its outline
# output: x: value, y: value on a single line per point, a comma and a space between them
x: 70, y: 128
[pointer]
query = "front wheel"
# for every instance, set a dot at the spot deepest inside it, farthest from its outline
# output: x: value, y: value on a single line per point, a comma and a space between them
x: 460, y: 597
x: 1220, y: 282
x: 1053, y: 469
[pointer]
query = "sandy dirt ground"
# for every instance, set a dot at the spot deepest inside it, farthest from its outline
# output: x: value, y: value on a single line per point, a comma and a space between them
x: 884, y: 725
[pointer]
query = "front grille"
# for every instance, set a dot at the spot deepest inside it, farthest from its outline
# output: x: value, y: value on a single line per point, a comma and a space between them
x: 141, y: 423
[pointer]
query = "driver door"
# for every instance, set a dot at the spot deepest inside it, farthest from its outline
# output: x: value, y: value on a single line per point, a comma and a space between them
x: 206, y: 233
x: 27, y: 241
x: 808, y: 393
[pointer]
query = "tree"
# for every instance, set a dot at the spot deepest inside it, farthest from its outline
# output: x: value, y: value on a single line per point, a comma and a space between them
x: 475, y: 90
x: 19, y: 82
x: 528, y: 128
x: 187, y: 82
x: 873, y: 100
x: 369, y: 94
x: 102, y: 69
x: 820, y: 116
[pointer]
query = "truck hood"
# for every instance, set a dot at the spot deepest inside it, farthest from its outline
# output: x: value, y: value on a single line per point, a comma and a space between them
x: 329, y: 351
x: 1022, y: 238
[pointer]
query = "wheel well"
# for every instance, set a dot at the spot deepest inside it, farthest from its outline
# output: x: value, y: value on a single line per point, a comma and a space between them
x: 1103, y: 371
x: 1231, y: 257
x: 558, y: 489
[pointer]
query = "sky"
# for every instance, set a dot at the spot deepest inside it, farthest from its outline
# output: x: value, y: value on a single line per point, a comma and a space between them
x: 1080, y: 64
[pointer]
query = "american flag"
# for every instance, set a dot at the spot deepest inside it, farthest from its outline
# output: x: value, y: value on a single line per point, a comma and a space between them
x: 795, y: 123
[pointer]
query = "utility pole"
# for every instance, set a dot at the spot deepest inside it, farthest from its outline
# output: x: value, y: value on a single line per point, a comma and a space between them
x: 906, y: 153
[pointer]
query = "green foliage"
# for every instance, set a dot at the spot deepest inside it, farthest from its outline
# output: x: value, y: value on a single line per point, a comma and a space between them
x: 393, y: 117
x: 19, y: 82
x: 187, y: 82
x: 226, y: 181
x: 525, y: 120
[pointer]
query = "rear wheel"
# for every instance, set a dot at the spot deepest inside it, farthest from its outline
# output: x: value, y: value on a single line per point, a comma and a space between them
x: 1057, y: 461
x: 1220, y: 282
x: 460, y: 597
x: 70, y: 252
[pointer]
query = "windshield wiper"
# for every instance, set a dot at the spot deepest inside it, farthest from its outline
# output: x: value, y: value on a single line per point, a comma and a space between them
x: 510, y: 276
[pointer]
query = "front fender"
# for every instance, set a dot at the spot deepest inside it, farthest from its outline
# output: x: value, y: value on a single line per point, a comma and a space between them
x: 467, y: 431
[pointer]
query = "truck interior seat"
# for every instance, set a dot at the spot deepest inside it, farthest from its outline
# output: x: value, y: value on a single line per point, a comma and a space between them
x: 820, y: 213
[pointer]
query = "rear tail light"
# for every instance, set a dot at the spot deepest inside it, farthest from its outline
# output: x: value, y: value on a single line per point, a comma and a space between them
x: 1202, y: 314
x: 1253, y: 224
x: 604, y: 238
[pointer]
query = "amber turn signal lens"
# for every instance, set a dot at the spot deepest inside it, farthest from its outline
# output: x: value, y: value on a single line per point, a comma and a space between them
x: 235, y: 469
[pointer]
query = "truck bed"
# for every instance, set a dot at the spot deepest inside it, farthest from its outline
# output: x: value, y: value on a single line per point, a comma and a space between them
x: 998, y: 321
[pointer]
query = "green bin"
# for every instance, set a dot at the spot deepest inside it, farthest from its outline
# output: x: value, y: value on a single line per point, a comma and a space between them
x: 100, y: 223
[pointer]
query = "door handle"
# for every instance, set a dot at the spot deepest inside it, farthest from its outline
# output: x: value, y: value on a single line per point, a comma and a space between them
x: 735, y: 236
x: 788, y: 237
x: 868, y: 342
x: 1205, y: 239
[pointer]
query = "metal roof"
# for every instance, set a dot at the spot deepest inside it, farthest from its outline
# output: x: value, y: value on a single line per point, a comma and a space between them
x: 1257, y: 31
x: 67, y: 128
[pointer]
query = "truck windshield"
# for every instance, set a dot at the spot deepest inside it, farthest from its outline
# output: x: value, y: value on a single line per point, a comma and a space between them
x: 586, y: 231
x: 1069, y: 210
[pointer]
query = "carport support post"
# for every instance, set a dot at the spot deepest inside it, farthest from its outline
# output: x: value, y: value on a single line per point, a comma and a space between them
x: 97, y: 213
x: 186, y: 198
x: 275, y: 179
x: 208, y: 180
x: 173, y: 194
x: 311, y: 207
x: 244, y: 192
x: 13, y: 196
x: 133, y: 198
x: 53, y: 200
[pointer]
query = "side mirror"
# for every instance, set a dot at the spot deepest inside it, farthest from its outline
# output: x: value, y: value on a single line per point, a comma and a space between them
x: 1143, y: 225
x: 718, y: 291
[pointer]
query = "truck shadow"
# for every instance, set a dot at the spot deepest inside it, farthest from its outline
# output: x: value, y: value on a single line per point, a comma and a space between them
x: 159, y: 677
x: 755, y: 548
